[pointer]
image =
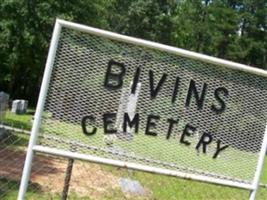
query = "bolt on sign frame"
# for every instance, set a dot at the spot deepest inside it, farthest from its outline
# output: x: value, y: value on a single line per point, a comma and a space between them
x: 191, y: 115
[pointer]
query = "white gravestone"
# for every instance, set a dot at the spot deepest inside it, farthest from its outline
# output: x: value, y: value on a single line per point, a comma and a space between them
x: 19, y: 106
x: 128, y: 104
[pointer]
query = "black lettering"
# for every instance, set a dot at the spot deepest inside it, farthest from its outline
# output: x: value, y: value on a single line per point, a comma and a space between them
x: 135, y: 81
x: 111, y: 77
x: 205, y: 139
x: 151, y: 124
x: 222, y: 106
x: 175, y: 90
x: 84, y: 120
x: 193, y: 91
x: 131, y: 123
x: 108, y: 120
x: 188, y: 131
x: 219, y: 149
x: 171, y: 123
x: 154, y: 91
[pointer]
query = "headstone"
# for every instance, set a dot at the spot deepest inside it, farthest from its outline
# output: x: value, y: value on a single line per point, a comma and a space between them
x: 15, y: 106
x: 127, y: 104
x: 19, y: 106
x: 4, y: 97
x: 133, y: 187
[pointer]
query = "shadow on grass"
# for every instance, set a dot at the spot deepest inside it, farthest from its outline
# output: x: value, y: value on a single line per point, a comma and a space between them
x: 9, y: 189
x: 17, y: 124
x: 22, y: 121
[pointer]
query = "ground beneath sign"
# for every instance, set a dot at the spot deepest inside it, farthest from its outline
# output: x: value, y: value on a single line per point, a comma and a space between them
x: 88, y: 180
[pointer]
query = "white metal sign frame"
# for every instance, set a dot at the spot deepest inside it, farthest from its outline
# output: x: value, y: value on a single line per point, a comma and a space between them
x: 33, y: 147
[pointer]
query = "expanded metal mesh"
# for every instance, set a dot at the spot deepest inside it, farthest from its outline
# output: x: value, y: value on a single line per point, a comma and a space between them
x: 77, y: 89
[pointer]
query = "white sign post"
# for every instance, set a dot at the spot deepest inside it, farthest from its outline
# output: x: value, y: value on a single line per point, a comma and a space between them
x: 189, y: 115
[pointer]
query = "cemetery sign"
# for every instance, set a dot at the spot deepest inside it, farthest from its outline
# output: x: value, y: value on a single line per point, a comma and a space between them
x: 128, y: 102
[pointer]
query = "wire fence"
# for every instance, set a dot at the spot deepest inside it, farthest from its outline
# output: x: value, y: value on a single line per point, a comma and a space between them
x: 94, y: 181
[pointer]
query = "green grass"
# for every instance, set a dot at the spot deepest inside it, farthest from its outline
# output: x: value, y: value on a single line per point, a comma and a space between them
x: 22, y: 121
x: 161, y: 187
x: 9, y: 191
x: 165, y: 187
x: 264, y: 172
x: 156, y: 148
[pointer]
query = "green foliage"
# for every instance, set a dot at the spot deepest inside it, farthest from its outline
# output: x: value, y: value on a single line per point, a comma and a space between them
x: 25, y: 32
x: 144, y: 19
x: 234, y: 30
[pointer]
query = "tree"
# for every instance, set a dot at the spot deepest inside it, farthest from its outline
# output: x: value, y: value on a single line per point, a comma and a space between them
x: 253, y: 32
x: 150, y: 19
x: 26, y: 27
x: 230, y: 29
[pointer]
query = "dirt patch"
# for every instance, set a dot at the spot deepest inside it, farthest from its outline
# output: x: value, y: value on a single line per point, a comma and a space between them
x: 49, y: 173
x: 87, y: 179
x: 11, y: 163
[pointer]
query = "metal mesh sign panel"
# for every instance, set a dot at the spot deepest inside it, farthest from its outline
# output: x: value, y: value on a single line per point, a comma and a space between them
x: 127, y: 102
